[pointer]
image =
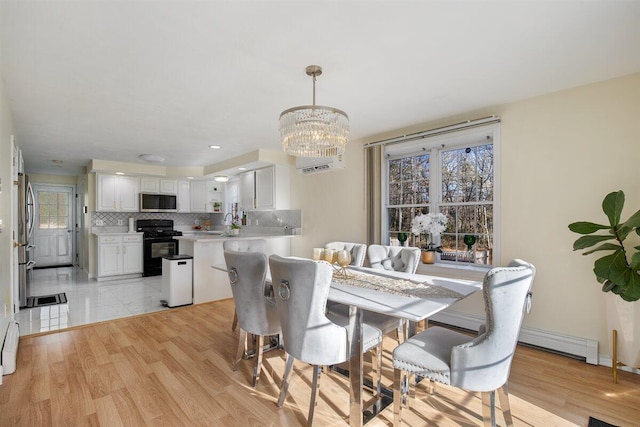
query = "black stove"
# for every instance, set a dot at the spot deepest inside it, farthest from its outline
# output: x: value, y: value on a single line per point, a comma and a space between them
x: 157, y: 227
x: 158, y: 242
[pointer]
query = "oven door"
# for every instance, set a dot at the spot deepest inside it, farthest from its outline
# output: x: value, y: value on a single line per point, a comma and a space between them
x: 154, y: 249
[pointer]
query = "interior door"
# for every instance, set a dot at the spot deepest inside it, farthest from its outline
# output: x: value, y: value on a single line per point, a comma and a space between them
x: 53, y: 230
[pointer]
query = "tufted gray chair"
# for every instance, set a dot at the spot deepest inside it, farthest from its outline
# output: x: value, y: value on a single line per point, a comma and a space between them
x: 481, y: 364
x: 357, y: 250
x: 250, y: 245
x: 256, y: 314
x: 301, y: 288
x: 395, y: 258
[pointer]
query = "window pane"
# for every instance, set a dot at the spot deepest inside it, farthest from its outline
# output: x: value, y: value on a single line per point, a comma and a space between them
x: 467, y: 174
x: 395, y: 194
x: 408, y: 193
x: 394, y: 170
x: 406, y: 169
x: 62, y: 222
x: 393, y: 215
x: 63, y: 198
x: 43, y: 197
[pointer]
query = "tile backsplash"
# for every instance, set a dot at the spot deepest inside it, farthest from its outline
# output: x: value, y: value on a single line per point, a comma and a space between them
x: 278, y: 218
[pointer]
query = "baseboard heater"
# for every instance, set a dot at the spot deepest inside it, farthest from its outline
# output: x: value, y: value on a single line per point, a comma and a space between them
x: 9, y: 350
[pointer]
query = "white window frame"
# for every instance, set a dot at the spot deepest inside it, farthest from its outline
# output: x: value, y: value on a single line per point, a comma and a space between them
x: 465, y: 137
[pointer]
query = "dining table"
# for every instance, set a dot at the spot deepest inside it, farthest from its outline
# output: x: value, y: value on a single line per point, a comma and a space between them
x: 413, y: 297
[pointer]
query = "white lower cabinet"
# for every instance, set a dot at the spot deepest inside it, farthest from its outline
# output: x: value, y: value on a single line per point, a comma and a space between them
x: 119, y: 254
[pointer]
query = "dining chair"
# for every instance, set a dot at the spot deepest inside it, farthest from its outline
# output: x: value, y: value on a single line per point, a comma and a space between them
x: 394, y: 258
x: 357, y: 251
x: 249, y: 245
x: 256, y: 313
x: 301, y: 287
x: 480, y: 364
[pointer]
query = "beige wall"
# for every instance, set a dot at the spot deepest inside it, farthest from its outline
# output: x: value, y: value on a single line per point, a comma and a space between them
x: 6, y: 206
x: 561, y: 154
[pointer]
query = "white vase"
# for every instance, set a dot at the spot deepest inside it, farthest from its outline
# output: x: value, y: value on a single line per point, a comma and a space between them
x: 624, y: 317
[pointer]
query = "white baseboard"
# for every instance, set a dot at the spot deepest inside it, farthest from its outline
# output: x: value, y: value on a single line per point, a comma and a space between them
x: 581, y: 347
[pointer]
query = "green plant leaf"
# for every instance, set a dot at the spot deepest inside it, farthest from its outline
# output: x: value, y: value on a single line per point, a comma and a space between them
x: 612, y: 206
x: 605, y: 247
x: 608, y: 286
x: 623, y: 231
x: 588, y: 241
x: 635, y: 261
x: 612, y: 267
x: 633, y: 221
x: 584, y: 227
x: 632, y: 290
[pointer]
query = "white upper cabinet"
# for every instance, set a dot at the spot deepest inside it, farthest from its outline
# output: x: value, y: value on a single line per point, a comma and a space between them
x: 149, y: 185
x: 169, y: 186
x: 265, y: 189
x: 158, y: 185
x: 198, y: 194
x: 115, y: 193
x: 184, y: 198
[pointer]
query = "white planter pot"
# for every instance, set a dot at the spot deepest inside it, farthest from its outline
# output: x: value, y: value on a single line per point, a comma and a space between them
x: 624, y: 317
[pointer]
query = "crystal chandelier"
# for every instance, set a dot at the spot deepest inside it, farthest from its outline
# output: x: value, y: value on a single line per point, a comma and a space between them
x: 314, y: 130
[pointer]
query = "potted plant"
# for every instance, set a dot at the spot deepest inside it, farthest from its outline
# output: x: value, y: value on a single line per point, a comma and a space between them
x: 430, y: 225
x: 619, y: 273
x: 235, y: 227
x: 217, y: 206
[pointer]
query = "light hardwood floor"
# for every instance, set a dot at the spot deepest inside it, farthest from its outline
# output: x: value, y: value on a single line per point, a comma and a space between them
x: 174, y: 368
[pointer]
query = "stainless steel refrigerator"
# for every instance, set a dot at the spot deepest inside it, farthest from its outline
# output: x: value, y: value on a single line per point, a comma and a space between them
x: 25, y: 228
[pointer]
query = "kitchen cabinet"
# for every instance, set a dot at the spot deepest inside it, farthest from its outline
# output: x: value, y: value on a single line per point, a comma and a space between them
x: 158, y: 185
x: 119, y: 254
x: 198, y: 196
x: 265, y: 189
x: 203, y: 196
x: 184, y: 197
x: 117, y: 193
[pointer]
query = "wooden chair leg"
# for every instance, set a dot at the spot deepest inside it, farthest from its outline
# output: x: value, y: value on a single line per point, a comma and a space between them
x: 503, y: 395
x: 285, y: 380
x: 242, y: 344
x: 258, y: 366
x: 315, y: 391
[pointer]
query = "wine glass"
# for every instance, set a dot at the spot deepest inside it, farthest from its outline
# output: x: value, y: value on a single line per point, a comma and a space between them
x: 318, y: 254
x: 344, y: 259
x: 329, y: 255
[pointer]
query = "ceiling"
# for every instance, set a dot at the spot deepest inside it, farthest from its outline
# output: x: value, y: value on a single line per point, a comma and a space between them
x: 112, y: 80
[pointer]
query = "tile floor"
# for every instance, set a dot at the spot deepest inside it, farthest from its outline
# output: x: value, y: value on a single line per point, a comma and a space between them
x: 89, y: 301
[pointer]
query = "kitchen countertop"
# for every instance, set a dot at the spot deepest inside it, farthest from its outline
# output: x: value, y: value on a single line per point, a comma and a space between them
x: 212, y: 236
x: 114, y: 233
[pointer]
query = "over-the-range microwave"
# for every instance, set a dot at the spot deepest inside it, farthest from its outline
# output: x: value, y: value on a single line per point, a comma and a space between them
x: 158, y: 202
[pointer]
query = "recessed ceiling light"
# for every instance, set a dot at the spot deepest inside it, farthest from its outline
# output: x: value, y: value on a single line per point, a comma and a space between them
x: 189, y: 177
x: 215, y: 147
x: 242, y: 169
x: 221, y: 178
x: 119, y: 173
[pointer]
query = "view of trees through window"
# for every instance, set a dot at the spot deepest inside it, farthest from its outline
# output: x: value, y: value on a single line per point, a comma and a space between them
x: 465, y: 196
x: 52, y: 210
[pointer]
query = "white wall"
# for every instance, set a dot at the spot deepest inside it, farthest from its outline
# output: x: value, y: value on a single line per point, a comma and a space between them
x: 561, y: 154
x: 6, y: 206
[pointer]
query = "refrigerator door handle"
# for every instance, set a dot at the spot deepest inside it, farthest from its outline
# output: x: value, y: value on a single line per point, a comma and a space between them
x: 30, y: 265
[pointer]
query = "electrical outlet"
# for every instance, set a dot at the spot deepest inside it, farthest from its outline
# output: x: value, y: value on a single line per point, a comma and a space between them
x: 99, y: 222
x: 121, y: 222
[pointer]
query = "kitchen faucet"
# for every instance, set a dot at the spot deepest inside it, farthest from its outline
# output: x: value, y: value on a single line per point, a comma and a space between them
x: 227, y: 228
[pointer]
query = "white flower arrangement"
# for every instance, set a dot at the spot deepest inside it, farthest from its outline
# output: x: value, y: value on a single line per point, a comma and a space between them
x: 432, y: 224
